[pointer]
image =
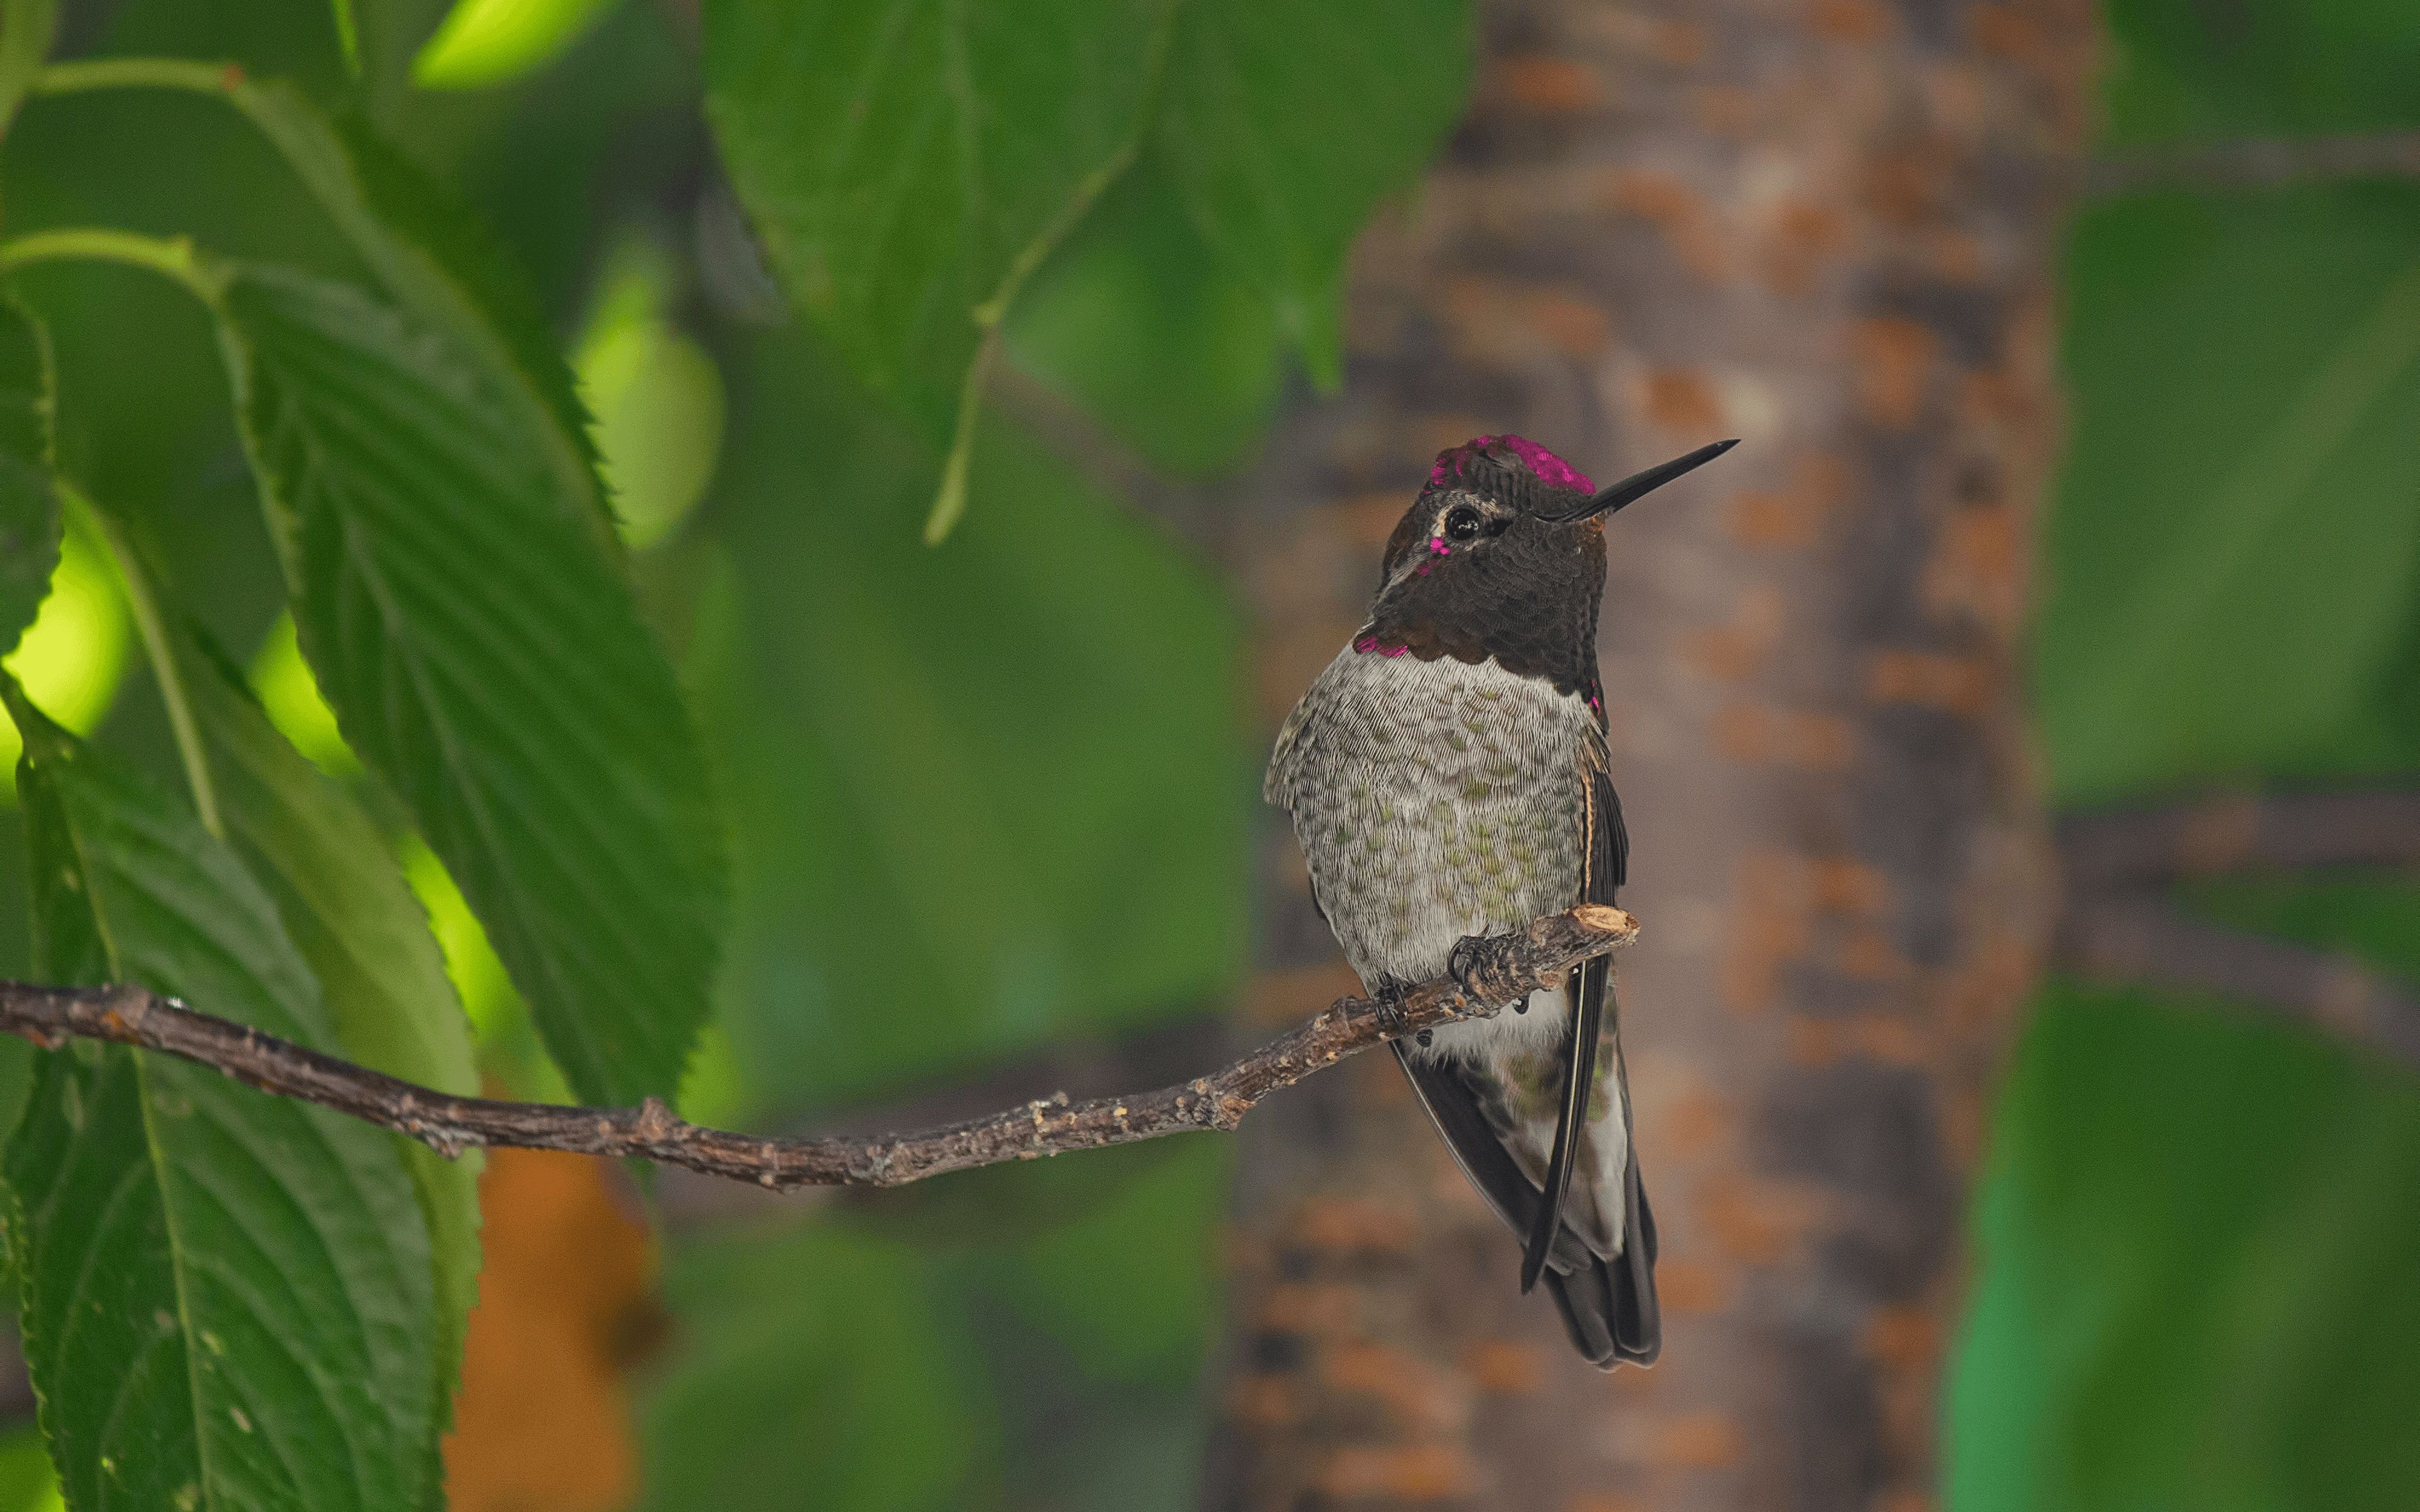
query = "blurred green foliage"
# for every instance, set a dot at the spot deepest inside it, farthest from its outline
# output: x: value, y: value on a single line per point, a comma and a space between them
x: 1140, y: 322
x: 2199, y: 1248
x: 486, y: 42
x: 1029, y: 1341
x: 979, y: 800
x: 1035, y: 732
x: 2246, y: 377
x: 2194, y: 1232
x: 26, y: 1484
x: 907, y: 219
x: 2185, y: 69
x: 2194, y: 1244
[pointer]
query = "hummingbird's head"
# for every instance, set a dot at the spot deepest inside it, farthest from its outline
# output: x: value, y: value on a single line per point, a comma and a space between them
x: 1502, y: 555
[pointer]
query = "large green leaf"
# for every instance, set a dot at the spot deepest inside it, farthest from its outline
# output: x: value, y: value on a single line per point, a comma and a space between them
x: 1283, y: 133
x: 2196, y: 1252
x: 908, y: 161
x: 2373, y: 915
x: 926, y: 1358
x: 27, y: 27
x: 1127, y: 1287
x: 17, y: 1062
x: 824, y: 1342
x: 1135, y: 317
x: 482, y: 654
x: 226, y: 1297
x: 2234, y: 551
x: 420, y: 243
x: 30, y: 518
x: 31, y: 525
x: 2184, y: 69
x: 27, y: 1483
x: 656, y: 393
x: 1033, y: 730
x: 485, y: 42
x: 355, y: 922
x: 433, y: 258
x: 29, y: 545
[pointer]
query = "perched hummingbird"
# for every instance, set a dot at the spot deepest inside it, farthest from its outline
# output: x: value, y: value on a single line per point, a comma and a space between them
x: 1448, y: 777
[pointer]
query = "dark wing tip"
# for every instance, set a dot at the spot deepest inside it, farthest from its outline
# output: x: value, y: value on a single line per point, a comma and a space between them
x: 1611, y: 1321
x: 1587, y: 1325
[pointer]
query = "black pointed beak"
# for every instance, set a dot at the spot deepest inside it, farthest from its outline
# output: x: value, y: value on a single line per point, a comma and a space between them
x: 1640, y: 485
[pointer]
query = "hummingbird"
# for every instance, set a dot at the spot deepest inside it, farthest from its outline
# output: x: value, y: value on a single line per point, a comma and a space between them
x: 1449, y: 777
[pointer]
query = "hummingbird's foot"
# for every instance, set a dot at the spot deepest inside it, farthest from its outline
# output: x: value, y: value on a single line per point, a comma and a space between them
x: 1391, y: 998
x: 1469, y: 955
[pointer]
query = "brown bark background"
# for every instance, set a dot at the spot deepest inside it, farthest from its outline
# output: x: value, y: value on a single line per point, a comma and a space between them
x: 1826, y: 228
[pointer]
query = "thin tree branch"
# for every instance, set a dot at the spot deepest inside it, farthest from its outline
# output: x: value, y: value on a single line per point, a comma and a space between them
x: 1503, y: 970
x: 2149, y: 940
x: 2130, y: 848
x: 2255, y: 162
x: 2119, y: 923
x: 1080, y: 1067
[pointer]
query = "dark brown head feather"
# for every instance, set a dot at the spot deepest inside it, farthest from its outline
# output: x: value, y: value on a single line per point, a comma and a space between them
x: 1525, y: 591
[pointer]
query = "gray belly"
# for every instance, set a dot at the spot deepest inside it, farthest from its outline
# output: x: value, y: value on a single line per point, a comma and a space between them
x: 1432, y: 800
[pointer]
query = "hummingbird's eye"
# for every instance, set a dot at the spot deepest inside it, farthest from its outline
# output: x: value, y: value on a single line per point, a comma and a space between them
x: 1462, y: 524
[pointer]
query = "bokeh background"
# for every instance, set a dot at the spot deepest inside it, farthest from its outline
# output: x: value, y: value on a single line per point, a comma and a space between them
x: 2169, y: 268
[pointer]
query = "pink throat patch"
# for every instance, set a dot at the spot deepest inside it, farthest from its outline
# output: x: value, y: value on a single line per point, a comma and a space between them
x: 1550, y: 469
x: 1368, y: 643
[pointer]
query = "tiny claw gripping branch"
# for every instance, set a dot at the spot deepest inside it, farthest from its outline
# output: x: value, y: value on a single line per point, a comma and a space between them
x: 1473, y: 969
x: 1390, y: 999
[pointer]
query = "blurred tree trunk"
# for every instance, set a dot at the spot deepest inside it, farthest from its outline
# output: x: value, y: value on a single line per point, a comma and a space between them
x: 1828, y: 228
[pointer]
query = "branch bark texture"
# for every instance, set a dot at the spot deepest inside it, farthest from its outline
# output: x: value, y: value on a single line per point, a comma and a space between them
x: 1507, y: 970
x: 2111, y: 851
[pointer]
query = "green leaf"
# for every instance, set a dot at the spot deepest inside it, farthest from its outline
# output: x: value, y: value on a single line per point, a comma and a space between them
x: 30, y: 518
x: 824, y: 1342
x: 2179, y: 69
x: 27, y: 1483
x: 345, y: 906
x: 2195, y: 1250
x: 486, y: 42
x: 909, y: 161
x: 433, y: 259
x: 1129, y: 1286
x: 657, y: 397
x: 27, y: 27
x: 226, y: 1297
x: 1138, y: 320
x: 348, y: 34
x: 1283, y: 131
x: 1042, y: 1329
x: 2371, y: 915
x: 282, y: 681
x: 72, y: 657
x: 1034, y: 728
x: 2234, y: 551
x: 484, y: 656
x: 17, y: 1060
x: 424, y: 248
x: 62, y: 613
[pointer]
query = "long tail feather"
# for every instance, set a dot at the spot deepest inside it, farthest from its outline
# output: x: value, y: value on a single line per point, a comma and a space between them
x: 1586, y: 1020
